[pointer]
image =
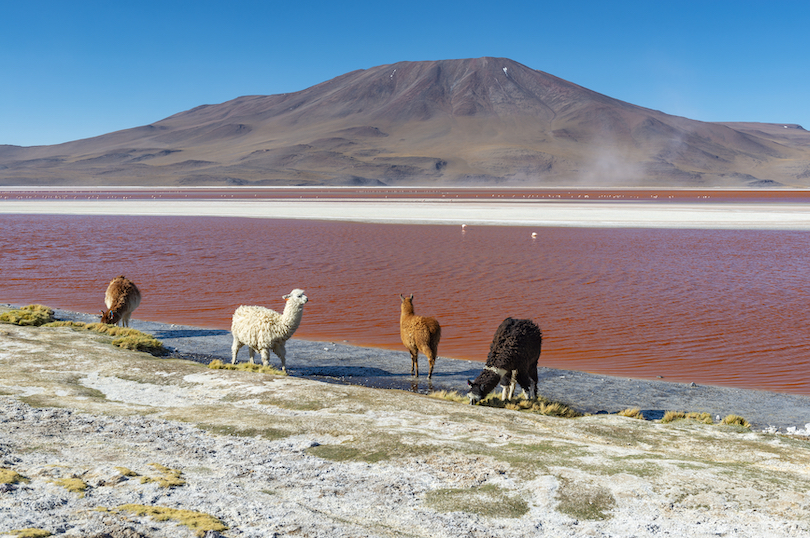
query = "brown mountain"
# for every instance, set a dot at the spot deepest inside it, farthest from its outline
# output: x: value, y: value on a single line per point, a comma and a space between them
x: 482, y: 121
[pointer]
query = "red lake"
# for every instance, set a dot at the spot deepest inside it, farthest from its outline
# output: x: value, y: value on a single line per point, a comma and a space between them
x: 720, y: 307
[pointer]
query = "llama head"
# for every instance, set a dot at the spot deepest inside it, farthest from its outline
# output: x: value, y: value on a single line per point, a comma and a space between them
x: 476, y: 393
x: 483, y: 384
x: 296, y: 296
x: 110, y: 317
x: 406, y: 303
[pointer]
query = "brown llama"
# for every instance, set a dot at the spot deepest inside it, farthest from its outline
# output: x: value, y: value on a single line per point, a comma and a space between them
x: 418, y: 333
x: 122, y: 298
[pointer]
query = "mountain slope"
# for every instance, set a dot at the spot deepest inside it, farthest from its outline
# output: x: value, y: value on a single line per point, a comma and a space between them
x: 484, y: 120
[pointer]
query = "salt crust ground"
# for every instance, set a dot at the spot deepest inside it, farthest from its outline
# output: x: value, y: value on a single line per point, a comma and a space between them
x: 278, y: 456
x: 603, y: 214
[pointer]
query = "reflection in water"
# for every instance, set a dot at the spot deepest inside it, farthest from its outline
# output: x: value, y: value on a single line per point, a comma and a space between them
x: 709, y: 306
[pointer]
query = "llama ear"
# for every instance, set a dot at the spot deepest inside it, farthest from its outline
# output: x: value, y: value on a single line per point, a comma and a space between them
x: 412, y: 297
x: 469, y: 383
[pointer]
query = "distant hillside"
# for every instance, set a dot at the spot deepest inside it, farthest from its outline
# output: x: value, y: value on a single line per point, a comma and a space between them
x: 478, y: 121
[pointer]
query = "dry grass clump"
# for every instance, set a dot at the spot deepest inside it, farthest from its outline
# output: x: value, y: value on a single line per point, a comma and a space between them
x: 125, y: 471
x: 450, y: 395
x: 30, y: 533
x: 32, y: 315
x: 540, y: 405
x: 198, y: 521
x: 123, y: 337
x: 246, y: 366
x: 73, y: 485
x: 635, y: 412
x: 672, y: 416
x: 7, y: 476
x: 735, y: 420
x: 169, y: 478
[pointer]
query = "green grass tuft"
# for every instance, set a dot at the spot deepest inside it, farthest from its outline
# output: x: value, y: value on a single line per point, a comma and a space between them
x: 145, y: 343
x: 265, y: 433
x: 540, y: 405
x: 32, y: 315
x: 123, y: 337
x: 245, y: 366
x: 486, y: 501
x: 584, y: 501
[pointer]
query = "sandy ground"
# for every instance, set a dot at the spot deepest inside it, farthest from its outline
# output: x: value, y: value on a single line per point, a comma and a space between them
x: 704, y: 215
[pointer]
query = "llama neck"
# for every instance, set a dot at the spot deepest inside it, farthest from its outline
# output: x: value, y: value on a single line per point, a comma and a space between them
x: 407, y: 311
x: 291, y: 317
x: 488, y: 380
x: 117, y: 310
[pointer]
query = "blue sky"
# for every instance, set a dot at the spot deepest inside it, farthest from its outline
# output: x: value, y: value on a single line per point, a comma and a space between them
x: 71, y: 70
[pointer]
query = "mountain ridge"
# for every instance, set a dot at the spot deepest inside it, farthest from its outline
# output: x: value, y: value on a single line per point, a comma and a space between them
x: 481, y: 120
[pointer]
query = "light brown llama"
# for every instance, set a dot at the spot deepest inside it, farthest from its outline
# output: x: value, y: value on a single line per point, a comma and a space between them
x: 122, y: 298
x: 418, y: 333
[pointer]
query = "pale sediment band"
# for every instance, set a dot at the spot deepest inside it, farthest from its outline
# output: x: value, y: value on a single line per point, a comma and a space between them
x: 704, y: 215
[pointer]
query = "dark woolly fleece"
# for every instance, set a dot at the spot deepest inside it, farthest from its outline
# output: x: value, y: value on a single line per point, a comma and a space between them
x: 515, y: 346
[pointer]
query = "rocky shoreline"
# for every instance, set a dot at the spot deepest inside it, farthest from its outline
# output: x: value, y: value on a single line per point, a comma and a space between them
x: 588, y: 393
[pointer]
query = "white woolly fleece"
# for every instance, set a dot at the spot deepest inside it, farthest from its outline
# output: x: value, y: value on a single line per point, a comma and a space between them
x: 262, y: 328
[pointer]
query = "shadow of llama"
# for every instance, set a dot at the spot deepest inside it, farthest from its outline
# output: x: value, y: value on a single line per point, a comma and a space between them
x: 512, y: 358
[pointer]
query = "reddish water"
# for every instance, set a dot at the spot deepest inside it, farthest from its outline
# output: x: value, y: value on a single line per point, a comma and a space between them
x: 715, y: 307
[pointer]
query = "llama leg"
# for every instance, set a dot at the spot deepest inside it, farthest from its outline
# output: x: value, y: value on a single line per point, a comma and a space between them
x: 512, y: 383
x: 251, y: 352
x: 265, y: 356
x: 432, y: 361
x: 235, y: 349
x: 414, y: 362
x: 281, y: 351
x: 529, y: 388
x: 506, y: 379
x: 533, y: 383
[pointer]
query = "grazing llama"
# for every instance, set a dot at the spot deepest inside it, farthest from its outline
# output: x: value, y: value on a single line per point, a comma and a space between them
x: 513, y: 357
x: 122, y: 298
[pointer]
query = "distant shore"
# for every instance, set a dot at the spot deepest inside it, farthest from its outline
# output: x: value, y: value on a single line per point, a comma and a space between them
x: 410, y: 208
